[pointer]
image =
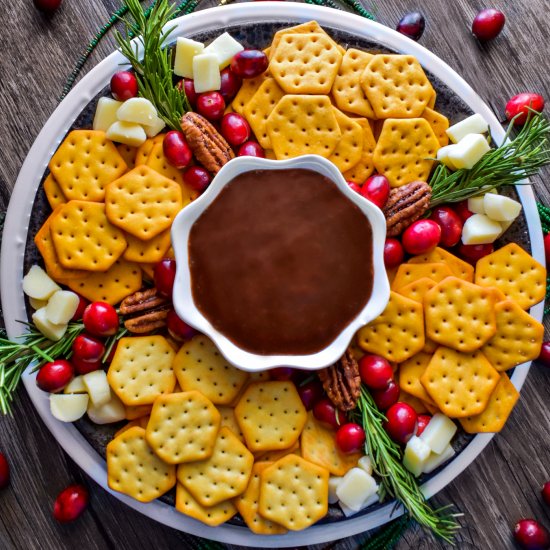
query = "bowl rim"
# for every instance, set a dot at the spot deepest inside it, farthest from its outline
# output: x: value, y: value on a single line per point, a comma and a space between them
x: 182, y: 295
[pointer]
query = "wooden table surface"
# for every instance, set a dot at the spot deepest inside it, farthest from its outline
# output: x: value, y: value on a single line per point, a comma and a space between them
x: 502, y: 486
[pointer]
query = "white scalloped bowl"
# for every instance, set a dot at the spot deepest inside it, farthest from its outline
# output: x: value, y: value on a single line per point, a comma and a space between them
x: 183, y: 297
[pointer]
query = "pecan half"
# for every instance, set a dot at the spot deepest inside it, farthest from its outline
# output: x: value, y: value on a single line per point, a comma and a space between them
x: 342, y: 382
x: 145, y: 310
x: 405, y: 205
x: 208, y: 145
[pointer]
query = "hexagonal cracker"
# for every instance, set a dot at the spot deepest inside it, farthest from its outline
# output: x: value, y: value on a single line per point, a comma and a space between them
x: 209, y: 515
x: 460, y: 268
x: 349, y: 150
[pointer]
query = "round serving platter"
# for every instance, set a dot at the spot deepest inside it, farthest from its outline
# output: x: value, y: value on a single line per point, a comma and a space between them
x: 253, y: 24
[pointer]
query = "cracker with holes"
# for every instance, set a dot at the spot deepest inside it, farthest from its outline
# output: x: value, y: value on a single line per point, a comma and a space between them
x: 135, y: 470
x: 183, y: 427
x: 501, y: 403
x: 417, y: 289
x: 365, y: 167
x: 85, y: 163
x: 273, y: 456
x: 144, y: 150
x: 459, y: 315
x: 294, y: 492
x: 209, y: 515
x: 518, y: 337
x: 410, y: 372
x: 54, y: 194
x: 151, y: 251
x: 513, y: 271
x: 410, y: 273
x: 459, y: 267
x: 141, y: 369
x: 271, y: 415
x: 199, y: 366
x: 84, y: 238
x: 138, y: 411
x: 246, y: 92
x: 128, y: 153
x: 223, y: 475
x: 396, y: 86
x: 143, y: 202
x: 405, y: 150
x: 301, y: 125
x: 350, y: 148
x: 228, y: 420
x: 439, y: 124
x: 396, y: 334
x: 459, y: 383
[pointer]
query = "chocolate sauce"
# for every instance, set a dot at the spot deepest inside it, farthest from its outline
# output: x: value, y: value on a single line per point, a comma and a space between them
x: 281, y: 261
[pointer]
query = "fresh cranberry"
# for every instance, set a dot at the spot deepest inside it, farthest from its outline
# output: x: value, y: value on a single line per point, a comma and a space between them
x: 100, y: 319
x: 70, y: 503
x: 310, y: 393
x: 124, y: 85
x: 282, y: 373
x: 249, y: 63
x: 4, y: 472
x: 354, y: 187
x: 179, y: 330
x: 387, y: 397
x: 519, y: 106
x: 546, y: 492
x: 377, y: 190
x: 422, y: 422
x: 412, y: 25
x: 350, y: 438
x: 188, y: 86
x: 450, y: 223
x: 487, y: 24
x: 197, y: 178
x: 230, y: 84
x: 235, y: 129
x: 164, y: 274
x: 87, y: 353
x: 421, y: 236
x: 547, y: 249
x: 401, y: 422
x: 473, y: 252
x: 325, y: 411
x: 251, y: 149
x: 211, y: 105
x: 531, y: 535
x: 82, y: 305
x: 375, y: 371
x: 544, y: 357
x: 54, y: 376
x: 393, y: 253
x: 461, y: 208
x: 176, y: 149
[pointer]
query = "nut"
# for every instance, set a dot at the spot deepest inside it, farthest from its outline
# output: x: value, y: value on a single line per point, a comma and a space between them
x: 405, y: 205
x: 146, y: 311
x: 342, y: 382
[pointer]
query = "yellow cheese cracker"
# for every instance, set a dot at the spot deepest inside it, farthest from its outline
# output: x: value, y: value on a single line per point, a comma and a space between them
x: 54, y: 193
x: 459, y: 267
x: 209, y: 515
x: 365, y: 167
x: 349, y: 150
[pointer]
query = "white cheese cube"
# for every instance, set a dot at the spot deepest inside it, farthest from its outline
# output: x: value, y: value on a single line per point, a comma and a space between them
x: 151, y: 130
x: 438, y: 433
x: 354, y: 489
x: 224, y: 47
x: 467, y: 152
x: 435, y: 460
x: 477, y: 205
x: 333, y: 484
x: 37, y: 304
x: 365, y: 463
x: 138, y: 110
x: 207, y: 73
x: 480, y: 229
x: 349, y: 512
x: 474, y: 124
x: 500, y: 208
x: 38, y: 284
x: 186, y: 50
x: 76, y: 385
x: 97, y: 386
x: 415, y: 455
x: 61, y: 307
x: 46, y: 327
x: 68, y: 408
x: 108, y: 413
x: 129, y: 133
x: 105, y: 113
x: 443, y: 156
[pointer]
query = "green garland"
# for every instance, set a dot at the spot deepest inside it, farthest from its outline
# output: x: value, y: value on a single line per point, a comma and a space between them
x: 544, y: 213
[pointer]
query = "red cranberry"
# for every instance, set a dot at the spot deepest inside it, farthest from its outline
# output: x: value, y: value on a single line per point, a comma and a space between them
x: 197, y: 178
x: 310, y: 393
x: 70, y: 503
x: 393, y: 253
x: 544, y: 357
x: 211, y: 105
x: 164, y: 274
x: 401, y: 422
x: 520, y: 106
x: 230, y: 84
x: 450, y: 223
x: 375, y: 371
x: 54, y: 376
x: 179, y: 330
x: 421, y: 236
x: 412, y: 25
x: 387, y: 397
x: 188, y: 86
x: 354, y: 187
x: 547, y: 248
x: 4, y: 472
x: 350, y: 438
x: 87, y: 353
x: 176, y: 149
x: 325, y: 411
x: 82, y: 304
x: 473, y: 252
x: 251, y: 149
x: 546, y: 492
x: 100, y: 319
x: 487, y: 24
x: 422, y: 422
x: 235, y: 129
x: 47, y: 5
x: 376, y: 189
x: 530, y: 534
x: 461, y: 208
x: 282, y: 373
x: 249, y: 63
x: 124, y: 85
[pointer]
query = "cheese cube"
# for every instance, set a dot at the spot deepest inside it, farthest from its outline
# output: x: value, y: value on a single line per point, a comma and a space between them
x: 443, y: 156
x: 76, y: 385
x: 207, y: 73
x: 186, y: 50
x: 108, y: 413
x: 46, y: 327
x: 349, y: 512
x: 474, y: 124
x: 105, y: 113
x: 500, y: 208
x: 416, y: 454
x: 37, y: 304
x: 137, y: 110
x: 38, y: 284
x: 365, y: 463
x: 477, y: 205
x: 435, y: 460
x: 151, y: 130
x: 480, y: 229
x: 468, y: 151
x: 438, y: 433
x: 68, y: 408
x: 61, y: 307
x: 355, y: 488
x: 97, y: 386
x: 224, y: 47
x: 129, y: 133
x: 333, y: 484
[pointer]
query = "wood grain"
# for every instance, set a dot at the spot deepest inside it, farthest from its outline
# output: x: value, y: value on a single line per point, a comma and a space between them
x: 503, y: 485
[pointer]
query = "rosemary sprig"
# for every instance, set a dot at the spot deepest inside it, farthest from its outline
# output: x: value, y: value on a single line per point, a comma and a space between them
x: 154, y: 72
x: 395, y: 480
x: 508, y: 164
